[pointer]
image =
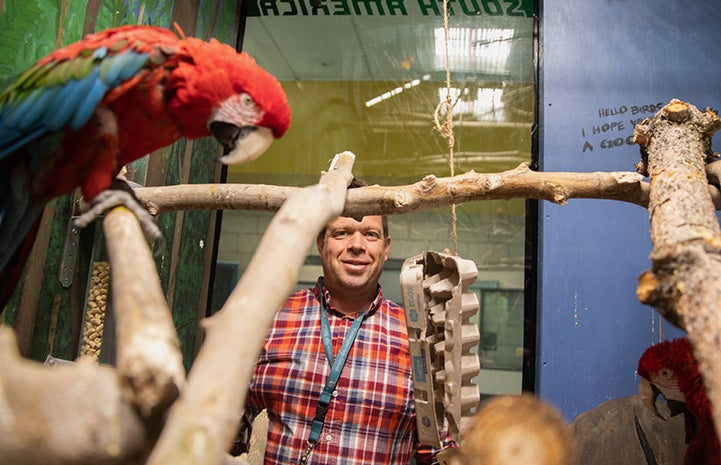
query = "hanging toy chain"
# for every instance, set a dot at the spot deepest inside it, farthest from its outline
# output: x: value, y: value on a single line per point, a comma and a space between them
x: 446, y: 128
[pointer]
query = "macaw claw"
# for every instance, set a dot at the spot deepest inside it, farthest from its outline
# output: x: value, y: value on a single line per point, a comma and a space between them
x: 119, y: 194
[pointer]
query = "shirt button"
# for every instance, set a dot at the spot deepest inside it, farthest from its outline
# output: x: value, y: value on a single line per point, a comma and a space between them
x: 328, y: 437
x: 335, y: 393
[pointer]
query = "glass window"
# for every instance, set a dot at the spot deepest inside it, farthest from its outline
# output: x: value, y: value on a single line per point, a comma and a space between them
x: 367, y: 76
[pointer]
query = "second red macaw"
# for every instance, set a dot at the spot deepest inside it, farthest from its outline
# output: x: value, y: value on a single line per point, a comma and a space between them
x: 669, y: 368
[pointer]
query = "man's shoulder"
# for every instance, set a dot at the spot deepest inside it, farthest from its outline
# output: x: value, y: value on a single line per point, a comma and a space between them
x: 300, y: 299
x: 392, y: 310
x: 392, y: 304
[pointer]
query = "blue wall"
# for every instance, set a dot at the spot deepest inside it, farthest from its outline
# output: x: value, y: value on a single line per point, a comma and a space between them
x: 605, y: 63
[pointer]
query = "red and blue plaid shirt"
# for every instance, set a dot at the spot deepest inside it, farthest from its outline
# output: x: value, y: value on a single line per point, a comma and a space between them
x: 370, y: 419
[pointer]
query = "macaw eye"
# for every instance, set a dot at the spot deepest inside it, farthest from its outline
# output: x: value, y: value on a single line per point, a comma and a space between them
x: 665, y: 373
x: 247, y: 101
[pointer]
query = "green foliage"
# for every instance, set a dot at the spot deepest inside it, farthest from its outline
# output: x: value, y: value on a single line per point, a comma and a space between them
x: 206, y: 20
x: 218, y: 18
x: 158, y: 12
x: 115, y: 13
x: 74, y: 21
x: 226, y: 29
x: 29, y: 29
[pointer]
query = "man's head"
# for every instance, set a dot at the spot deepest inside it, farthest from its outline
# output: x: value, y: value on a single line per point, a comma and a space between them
x: 353, y: 252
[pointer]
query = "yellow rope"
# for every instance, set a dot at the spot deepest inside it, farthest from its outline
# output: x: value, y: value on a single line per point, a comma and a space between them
x: 446, y: 128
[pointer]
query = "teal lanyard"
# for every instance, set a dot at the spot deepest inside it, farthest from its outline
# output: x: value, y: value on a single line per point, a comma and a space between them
x: 335, y: 371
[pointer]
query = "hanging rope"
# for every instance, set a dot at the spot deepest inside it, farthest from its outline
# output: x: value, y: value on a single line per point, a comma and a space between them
x: 446, y: 128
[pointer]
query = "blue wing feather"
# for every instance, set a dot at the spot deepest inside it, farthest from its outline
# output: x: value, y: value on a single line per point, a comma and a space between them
x: 14, y: 119
x: 11, y: 144
x: 111, y: 68
x: 100, y: 53
x: 34, y: 113
x: 65, y: 103
x: 135, y: 62
x: 43, y: 109
x: 86, y: 108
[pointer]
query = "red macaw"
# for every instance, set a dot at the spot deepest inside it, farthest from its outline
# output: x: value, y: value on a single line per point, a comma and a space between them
x: 79, y: 114
x: 670, y: 369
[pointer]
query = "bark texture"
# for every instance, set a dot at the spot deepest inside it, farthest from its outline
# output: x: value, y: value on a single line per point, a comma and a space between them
x: 684, y: 283
x: 429, y: 192
x: 148, y: 354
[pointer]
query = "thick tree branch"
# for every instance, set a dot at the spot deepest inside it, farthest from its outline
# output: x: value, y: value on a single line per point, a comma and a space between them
x: 430, y: 192
x: 87, y: 414
x: 203, y: 422
x: 72, y: 414
x: 148, y: 351
x: 685, y: 281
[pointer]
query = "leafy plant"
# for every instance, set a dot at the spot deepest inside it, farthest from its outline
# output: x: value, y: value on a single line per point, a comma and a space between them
x: 29, y: 29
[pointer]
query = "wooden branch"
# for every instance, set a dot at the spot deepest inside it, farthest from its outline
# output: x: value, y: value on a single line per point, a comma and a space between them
x: 148, y: 351
x: 685, y: 281
x: 430, y: 192
x: 87, y: 414
x: 72, y: 414
x: 203, y: 422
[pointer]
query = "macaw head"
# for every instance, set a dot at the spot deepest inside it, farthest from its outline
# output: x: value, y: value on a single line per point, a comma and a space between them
x: 669, y: 369
x: 656, y: 367
x: 226, y: 94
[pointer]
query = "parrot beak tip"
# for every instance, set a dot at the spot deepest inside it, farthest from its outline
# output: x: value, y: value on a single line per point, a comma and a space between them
x: 249, y: 147
x: 649, y: 393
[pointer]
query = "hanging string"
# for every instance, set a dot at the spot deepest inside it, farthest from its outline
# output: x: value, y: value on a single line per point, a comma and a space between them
x: 446, y: 128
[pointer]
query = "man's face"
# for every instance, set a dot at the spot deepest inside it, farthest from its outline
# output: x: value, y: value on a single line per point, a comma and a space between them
x: 353, y: 252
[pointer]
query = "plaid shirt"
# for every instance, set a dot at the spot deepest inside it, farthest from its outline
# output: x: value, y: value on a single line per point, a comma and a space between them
x: 370, y: 419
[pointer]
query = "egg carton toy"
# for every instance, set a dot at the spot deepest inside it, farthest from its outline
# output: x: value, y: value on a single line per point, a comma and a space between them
x: 439, y: 306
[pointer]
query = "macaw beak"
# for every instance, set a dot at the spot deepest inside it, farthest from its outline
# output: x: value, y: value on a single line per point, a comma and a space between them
x: 241, y: 145
x: 649, y: 394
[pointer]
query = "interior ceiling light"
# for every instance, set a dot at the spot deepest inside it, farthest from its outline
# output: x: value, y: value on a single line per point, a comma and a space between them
x: 486, y: 104
x: 473, y: 49
x: 396, y: 91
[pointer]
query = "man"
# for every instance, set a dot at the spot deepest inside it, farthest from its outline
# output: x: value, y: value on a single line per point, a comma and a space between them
x: 323, y: 409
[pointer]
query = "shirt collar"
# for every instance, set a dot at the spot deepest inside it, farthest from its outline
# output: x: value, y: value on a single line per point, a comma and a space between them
x: 324, y: 293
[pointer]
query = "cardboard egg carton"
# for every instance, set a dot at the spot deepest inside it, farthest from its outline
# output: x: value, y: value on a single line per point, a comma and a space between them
x: 438, y: 306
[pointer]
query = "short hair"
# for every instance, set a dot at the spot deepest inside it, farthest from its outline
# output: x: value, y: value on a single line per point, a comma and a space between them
x: 356, y: 182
